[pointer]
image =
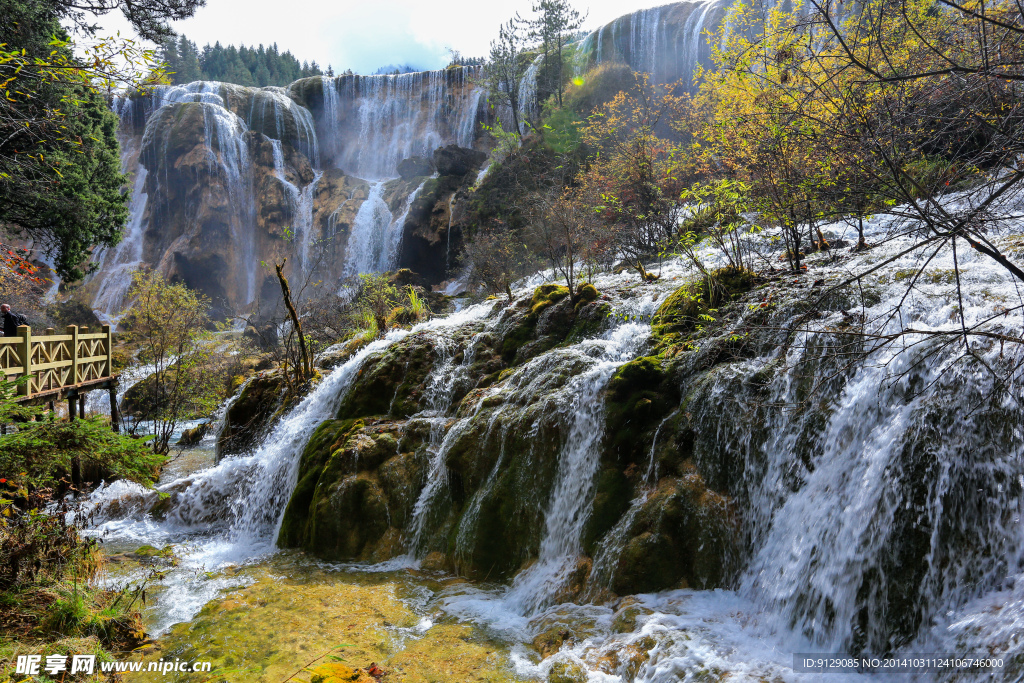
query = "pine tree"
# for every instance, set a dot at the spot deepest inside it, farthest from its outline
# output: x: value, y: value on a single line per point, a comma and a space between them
x: 506, y: 67
x: 554, y: 26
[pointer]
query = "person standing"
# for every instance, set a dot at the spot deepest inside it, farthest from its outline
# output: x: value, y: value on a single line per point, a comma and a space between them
x: 12, y: 320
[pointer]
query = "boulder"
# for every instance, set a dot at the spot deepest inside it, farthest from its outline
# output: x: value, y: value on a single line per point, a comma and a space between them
x: 455, y: 160
x: 414, y: 167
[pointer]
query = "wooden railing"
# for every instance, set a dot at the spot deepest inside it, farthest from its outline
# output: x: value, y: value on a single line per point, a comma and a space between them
x: 57, y: 363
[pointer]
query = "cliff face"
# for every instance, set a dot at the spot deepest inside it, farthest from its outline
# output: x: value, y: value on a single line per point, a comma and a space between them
x: 227, y: 178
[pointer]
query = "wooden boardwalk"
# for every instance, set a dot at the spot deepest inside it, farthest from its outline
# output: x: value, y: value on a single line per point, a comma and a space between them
x: 63, y: 366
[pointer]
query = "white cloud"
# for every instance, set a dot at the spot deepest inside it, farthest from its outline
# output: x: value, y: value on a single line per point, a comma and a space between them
x: 363, y: 36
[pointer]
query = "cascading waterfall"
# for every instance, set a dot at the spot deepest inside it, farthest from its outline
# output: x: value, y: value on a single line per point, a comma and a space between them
x: 695, y: 40
x: 120, y: 262
x: 569, y: 507
x: 376, y: 236
x: 400, y: 116
x: 366, y: 126
x: 643, y: 39
x: 529, y: 107
x: 656, y: 41
x: 272, y: 104
x: 301, y: 205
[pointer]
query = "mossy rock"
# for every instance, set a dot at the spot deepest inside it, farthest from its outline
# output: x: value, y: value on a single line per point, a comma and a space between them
x: 190, y: 437
x: 336, y: 672
x: 152, y: 551
x: 347, y: 518
x: 685, y: 535
x: 612, y: 497
x: 392, y: 382
x: 545, y: 295
x: 354, y: 494
x: 327, y: 437
x: 542, y: 328
x: 566, y: 671
x: 586, y: 293
x: 639, y: 397
x: 680, y: 313
x: 250, y: 415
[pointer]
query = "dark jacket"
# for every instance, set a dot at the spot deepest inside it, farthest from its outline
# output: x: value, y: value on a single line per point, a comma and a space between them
x: 11, y: 322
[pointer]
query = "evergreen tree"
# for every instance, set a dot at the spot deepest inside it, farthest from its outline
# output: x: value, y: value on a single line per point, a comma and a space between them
x: 253, y: 66
x: 554, y: 26
x: 60, y: 171
x: 506, y: 67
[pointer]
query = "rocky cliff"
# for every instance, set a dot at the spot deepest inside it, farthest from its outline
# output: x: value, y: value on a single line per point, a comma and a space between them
x: 227, y: 178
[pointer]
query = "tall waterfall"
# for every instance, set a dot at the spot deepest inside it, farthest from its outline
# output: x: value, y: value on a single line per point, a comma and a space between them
x: 666, y: 42
x: 201, y: 154
x: 377, y: 121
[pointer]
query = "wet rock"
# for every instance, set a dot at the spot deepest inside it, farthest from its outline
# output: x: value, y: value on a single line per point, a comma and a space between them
x: 190, y: 437
x: 566, y: 671
x: 684, y: 536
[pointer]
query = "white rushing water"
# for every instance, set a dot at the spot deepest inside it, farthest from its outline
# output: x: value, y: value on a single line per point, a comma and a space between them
x: 399, y: 116
x: 572, y: 496
x: 231, y: 512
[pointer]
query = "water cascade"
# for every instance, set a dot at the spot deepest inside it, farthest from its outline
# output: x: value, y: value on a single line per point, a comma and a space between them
x: 667, y: 42
x: 572, y: 496
x: 377, y: 121
x: 199, y: 153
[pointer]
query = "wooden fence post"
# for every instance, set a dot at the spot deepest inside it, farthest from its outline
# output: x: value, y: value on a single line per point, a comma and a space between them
x: 73, y: 331
x: 110, y: 350
x: 25, y: 332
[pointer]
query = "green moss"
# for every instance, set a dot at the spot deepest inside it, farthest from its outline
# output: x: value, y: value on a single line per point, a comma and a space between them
x: 391, y: 383
x: 587, y: 293
x: 325, y: 440
x: 590, y: 320
x: 681, y: 312
x: 638, y: 398
x: 611, y: 499
x: 567, y: 672
x: 545, y: 295
x: 685, y: 535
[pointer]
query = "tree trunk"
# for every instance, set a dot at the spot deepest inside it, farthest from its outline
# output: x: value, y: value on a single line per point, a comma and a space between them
x: 307, y: 366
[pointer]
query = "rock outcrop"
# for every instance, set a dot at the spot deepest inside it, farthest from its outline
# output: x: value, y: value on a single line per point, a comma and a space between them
x: 501, y: 435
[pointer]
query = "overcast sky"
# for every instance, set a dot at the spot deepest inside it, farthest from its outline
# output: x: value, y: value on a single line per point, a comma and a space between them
x: 363, y: 36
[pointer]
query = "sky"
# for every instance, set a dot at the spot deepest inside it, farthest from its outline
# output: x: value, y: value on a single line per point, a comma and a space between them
x: 366, y: 35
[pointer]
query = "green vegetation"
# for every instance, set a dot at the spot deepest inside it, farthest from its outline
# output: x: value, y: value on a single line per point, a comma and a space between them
x: 46, y: 566
x: 60, y: 172
x: 167, y: 325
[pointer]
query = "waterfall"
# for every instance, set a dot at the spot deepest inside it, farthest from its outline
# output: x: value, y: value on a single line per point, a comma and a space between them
x: 376, y: 237
x: 571, y: 498
x: 656, y: 41
x: 694, y: 38
x: 270, y: 106
x: 301, y: 206
x: 121, y: 261
x: 529, y: 107
x: 399, y: 116
x: 643, y: 41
